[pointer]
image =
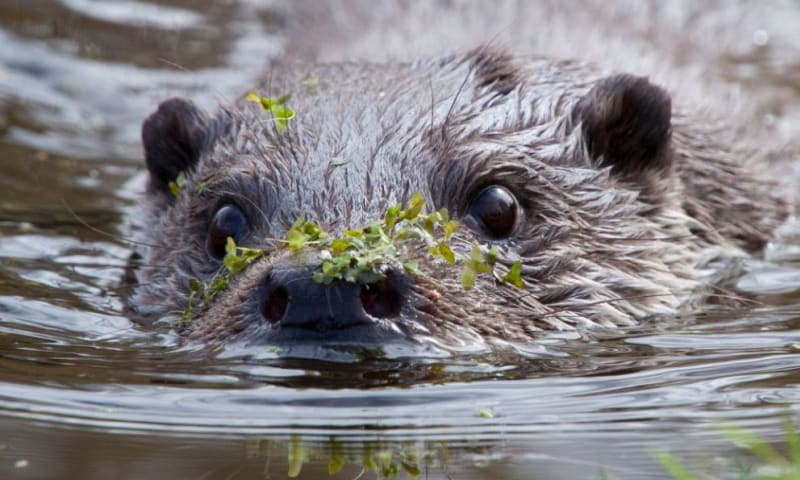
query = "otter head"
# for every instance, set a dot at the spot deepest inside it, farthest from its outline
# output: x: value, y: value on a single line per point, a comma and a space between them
x: 586, y: 179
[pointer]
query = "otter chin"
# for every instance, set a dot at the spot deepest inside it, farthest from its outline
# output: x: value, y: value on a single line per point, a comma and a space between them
x: 619, y: 206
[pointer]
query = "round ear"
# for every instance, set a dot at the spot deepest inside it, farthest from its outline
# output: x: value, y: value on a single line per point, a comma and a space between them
x: 173, y: 137
x: 626, y: 124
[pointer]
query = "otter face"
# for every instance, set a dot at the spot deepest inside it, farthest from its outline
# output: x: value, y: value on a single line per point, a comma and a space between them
x: 577, y: 175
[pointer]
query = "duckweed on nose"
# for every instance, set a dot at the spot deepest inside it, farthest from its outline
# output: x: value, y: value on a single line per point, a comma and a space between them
x: 363, y: 255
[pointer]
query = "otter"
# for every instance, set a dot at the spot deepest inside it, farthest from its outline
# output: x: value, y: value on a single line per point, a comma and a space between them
x: 619, y: 206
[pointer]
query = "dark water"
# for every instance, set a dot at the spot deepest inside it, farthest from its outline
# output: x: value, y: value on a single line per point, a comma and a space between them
x: 86, y: 393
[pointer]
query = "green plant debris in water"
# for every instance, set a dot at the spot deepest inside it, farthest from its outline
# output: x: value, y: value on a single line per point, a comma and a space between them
x: 298, y: 455
x: 381, y: 460
x: 336, y: 458
x: 485, y: 413
x: 364, y: 255
x: 770, y: 463
x: 281, y: 113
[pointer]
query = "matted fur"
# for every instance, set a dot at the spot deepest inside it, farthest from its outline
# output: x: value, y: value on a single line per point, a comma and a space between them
x: 598, y: 247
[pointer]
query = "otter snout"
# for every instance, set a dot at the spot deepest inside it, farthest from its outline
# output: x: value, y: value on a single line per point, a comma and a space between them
x: 292, y: 300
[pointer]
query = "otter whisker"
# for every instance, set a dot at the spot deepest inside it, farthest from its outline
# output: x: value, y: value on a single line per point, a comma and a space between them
x: 727, y: 294
x: 250, y: 201
x: 675, y: 238
x: 433, y: 104
x: 580, y: 306
x: 448, y: 116
x: 100, y: 231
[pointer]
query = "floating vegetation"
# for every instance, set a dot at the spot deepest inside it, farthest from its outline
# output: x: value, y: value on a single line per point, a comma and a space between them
x: 771, y: 464
x: 381, y: 460
x: 364, y: 255
x: 486, y: 413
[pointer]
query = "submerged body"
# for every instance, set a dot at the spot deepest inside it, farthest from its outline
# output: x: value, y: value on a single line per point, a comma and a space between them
x: 618, y: 205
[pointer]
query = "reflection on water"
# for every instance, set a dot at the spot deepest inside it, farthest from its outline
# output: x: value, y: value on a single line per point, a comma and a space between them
x: 86, y: 393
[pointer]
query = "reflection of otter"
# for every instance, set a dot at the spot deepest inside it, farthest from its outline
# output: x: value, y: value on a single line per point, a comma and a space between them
x: 618, y: 207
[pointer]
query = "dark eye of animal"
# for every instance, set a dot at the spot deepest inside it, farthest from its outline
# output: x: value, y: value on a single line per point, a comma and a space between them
x: 229, y: 221
x: 495, y: 211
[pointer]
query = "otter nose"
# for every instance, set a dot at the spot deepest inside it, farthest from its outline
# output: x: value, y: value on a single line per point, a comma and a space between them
x: 293, y: 299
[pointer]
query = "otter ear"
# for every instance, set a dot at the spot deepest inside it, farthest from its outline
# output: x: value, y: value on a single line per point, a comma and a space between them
x: 173, y: 137
x: 626, y: 124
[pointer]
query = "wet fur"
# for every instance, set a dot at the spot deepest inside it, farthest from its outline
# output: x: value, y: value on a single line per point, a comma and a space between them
x: 622, y: 221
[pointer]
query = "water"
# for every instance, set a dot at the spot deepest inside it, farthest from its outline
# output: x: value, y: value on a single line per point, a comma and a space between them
x: 87, y: 393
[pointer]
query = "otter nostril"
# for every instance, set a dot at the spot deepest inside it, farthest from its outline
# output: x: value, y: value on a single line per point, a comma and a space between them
x: 275, y: 304
x: 382, y: 299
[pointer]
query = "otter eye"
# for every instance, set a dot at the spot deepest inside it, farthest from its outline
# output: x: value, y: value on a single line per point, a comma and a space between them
x: 495, y: 210
x: 229, y: 221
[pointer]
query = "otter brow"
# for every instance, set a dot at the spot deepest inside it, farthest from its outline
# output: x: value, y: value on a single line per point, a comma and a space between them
x: 242, y: 188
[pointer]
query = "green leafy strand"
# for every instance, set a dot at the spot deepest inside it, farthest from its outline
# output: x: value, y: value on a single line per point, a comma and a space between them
x: 363, y: 255
x: 281, y: 113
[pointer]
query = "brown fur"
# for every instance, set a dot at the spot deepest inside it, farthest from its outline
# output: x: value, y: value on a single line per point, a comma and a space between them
x: 629, y: 206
